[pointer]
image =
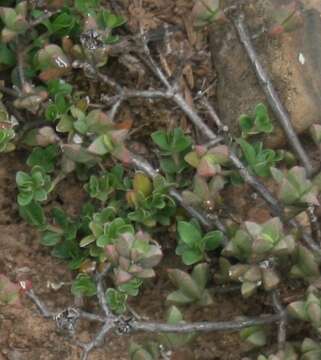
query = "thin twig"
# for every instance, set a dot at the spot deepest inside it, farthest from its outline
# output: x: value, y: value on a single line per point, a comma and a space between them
x: 205, y: 326
x: 111, y: 323
x: 101, y: 291
x: 20, y: 66
x: 40, y: 305
x: 98, y: 339
x: 271, y: 94
x: 283, y: 319
x: 314, y: 224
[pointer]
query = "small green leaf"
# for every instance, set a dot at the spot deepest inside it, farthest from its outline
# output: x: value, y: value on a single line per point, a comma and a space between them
x: 50, y: 238
x: 189, y: 233
x: 7, y: 57
x: 160, y: 139
x: 213, y: 240
x: 33, y: 214
x: 191, y: 257
x: 116, y: 300
x: 83, y: 285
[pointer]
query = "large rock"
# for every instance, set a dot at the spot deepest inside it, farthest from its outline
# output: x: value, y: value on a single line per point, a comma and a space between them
x: 293, y: 61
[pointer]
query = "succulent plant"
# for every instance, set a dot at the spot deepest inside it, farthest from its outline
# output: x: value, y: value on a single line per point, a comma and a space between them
x: 255, y: 335
x: 295, y: 188
x: 259, y: 159
x: 34, y: 186
x: 310, y: 350
x: 172, y: 340
x: 116, y: 300
x: 256, y: 123
x: 173, y: 147
x: 149, y: 351
x: 205, y: 194
x: 254, y: 276
x: 289, y: 353
x: 31, y: 100
x: 106, y: 227
x: 150, y: 201
x: 133, y: 256
x: 191, y: 288
x: 208, y: 162
x: 308, y: 309
x: 193, y: 245
x: 258, y: 245
x: 106, y: 185
x: 42, y: 136
x: 256, y: 242
x: 84, y: 285
x: 14, y: 21
x: 305, y: 264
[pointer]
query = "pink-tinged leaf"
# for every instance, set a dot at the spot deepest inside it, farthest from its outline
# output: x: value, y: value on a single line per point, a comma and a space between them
x: 53, y: 73
x: 41, y: 137
x: 185, y: 283
x: 124, y: 263
x: 9, y: 292
x: 276, y: 30
x: 124, y: 244
x: 98, y: 146
x: 126, y: 124
x: 118, y: 136
x: 146, y: 274
x: 200, y: 150
x: 123, y: 154
x: 135, y: 269
x: 98, y: 122
x: 77, y: 153
x: 122, y: 277
x: 220, y: 154
x: 112, y: 254
x: 206, y: 169
x: 153, y: 257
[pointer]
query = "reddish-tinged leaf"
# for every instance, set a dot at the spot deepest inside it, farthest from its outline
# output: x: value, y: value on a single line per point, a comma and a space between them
x: 112, y: 254
x: 125, y: 125
x: 121, y: 276
x: 9, y: 292
x: 122, y: 154
x: 53, y: 73
x: 206, y: 169
x: 200, y: 150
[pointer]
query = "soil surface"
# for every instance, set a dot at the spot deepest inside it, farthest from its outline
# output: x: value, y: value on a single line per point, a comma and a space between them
x: 24, y: 334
